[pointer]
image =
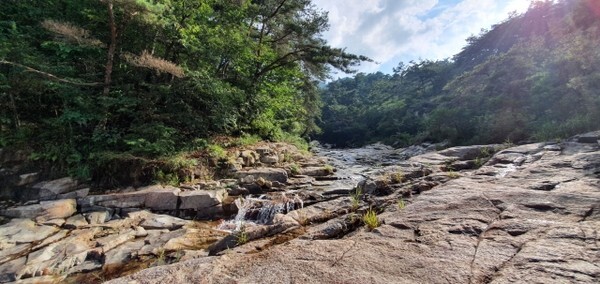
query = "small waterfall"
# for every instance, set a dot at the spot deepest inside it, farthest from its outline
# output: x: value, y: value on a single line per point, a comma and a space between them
x: 261, y: 210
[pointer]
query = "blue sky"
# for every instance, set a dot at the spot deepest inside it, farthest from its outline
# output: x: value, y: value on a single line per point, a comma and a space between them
x: 390, y: 31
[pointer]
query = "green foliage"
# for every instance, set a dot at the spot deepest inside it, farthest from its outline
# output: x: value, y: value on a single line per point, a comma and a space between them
x: 167, y: 179
x: 246, y: 140
x: 183, y: 71
x: 540, y: 83
x: 241, y: 236
x: 370, y: 219
x: 295, y: 140
x: 216, y: 151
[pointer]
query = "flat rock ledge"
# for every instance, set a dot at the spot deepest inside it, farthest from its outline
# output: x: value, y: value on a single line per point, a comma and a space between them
x: 526, y: 214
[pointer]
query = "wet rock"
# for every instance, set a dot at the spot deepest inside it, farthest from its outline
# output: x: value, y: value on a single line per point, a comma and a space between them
x: 270, y: 174
x: 116, y: 258
x: 76, y: 222
x: 156, y: 239
x: 236, y: 190
x: 281, y: 223
x: 197, y: 238
x: 86, y: 266
x: 51, y: 189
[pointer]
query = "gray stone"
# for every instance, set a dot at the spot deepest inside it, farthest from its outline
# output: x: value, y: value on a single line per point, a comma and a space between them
x: 44, y: 211
x: 118, y: 200
x: 162, y: 199
x: 99, y: 217
x: 316, y: 171
x: 156, y: 221
x: 29, y: 178
x: 51, y: 189
x: 119, y: 256
x: 470, y: 152
x: 112, y: 241
x: 140, y: 232
x: 75, y: 222
x: 9, y: 271
x: 249, y: 158
x: 80, y: 193
x: 591, y: 137
x: 28, y: 211
x: 270, y: 174
x: 269, y: 159
x: 201, y: 199
x: 54, y: 222
x: 63, y: 208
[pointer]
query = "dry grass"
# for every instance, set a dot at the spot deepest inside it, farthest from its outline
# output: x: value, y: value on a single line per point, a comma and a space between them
x: 147, y: 60
x: 71, y: 33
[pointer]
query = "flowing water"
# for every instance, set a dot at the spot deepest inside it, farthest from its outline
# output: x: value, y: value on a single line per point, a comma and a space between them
x: 352, y: 166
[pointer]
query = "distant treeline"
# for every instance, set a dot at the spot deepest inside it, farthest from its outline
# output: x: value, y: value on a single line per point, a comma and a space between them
x: 534, y: 76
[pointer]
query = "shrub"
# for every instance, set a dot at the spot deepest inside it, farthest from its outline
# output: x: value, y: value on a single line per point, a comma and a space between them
x: 241, y: 236
x: 370, y: 219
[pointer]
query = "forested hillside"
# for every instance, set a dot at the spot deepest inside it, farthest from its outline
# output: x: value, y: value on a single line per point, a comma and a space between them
x: 95, y: 86
x: 534, y: 76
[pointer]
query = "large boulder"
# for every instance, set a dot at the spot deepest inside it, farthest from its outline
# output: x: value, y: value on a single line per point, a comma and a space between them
x: 49, y: 190
x: 45, y: 210
x: 154, y: 198
x: 269, y: 174
x: 201, y: 199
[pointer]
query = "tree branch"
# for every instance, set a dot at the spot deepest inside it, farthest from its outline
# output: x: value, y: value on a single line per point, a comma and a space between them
x: 51, y: 76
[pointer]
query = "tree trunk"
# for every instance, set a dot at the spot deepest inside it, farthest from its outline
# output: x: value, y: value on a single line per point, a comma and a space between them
x: 111, y: 49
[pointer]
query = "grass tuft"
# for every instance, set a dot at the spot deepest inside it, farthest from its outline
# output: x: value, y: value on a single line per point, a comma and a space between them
x: 370, y: 219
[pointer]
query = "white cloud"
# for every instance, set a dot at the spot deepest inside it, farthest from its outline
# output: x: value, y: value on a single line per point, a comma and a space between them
x: 390, y: 31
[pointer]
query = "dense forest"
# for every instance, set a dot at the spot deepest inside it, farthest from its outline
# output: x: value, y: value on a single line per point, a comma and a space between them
x: 118, y: 88
x: 531, y: 77
x: 95, y: 87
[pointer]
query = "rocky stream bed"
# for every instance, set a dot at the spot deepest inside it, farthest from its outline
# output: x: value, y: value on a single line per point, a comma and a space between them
x: 472, y: 214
